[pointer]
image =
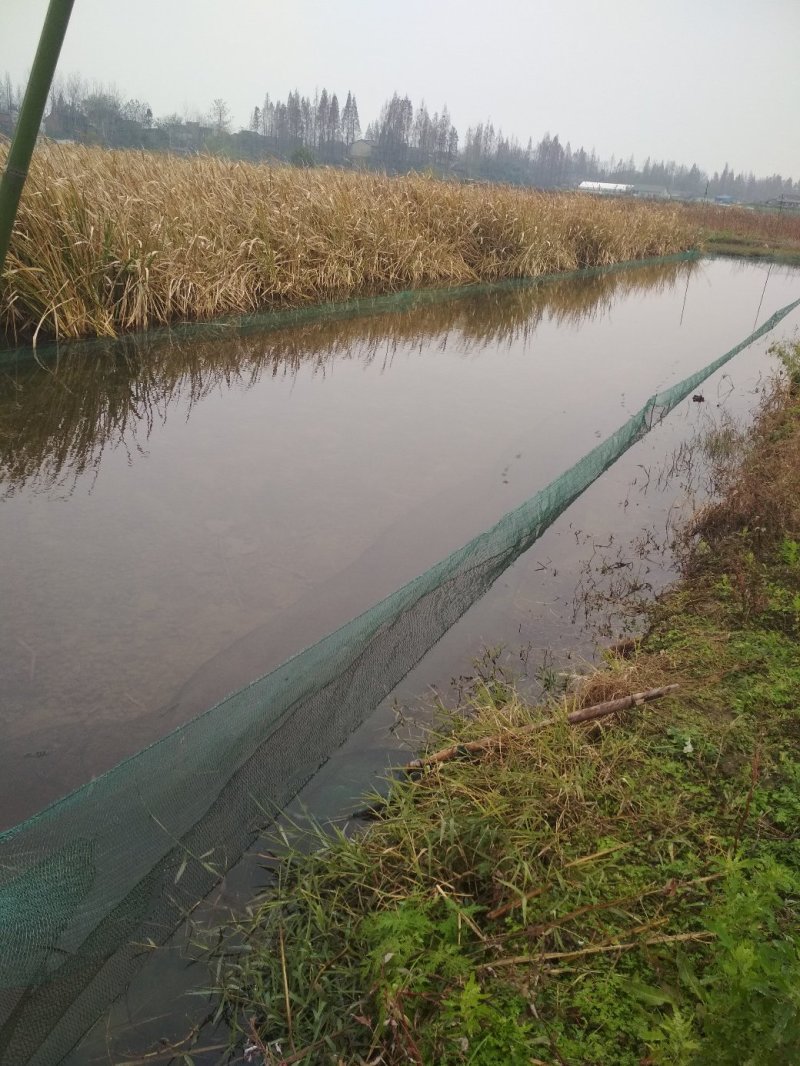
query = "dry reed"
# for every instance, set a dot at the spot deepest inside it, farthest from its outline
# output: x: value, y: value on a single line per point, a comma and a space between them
x: 768, y: 226
x: 111, y: 241
x: 57, y: 415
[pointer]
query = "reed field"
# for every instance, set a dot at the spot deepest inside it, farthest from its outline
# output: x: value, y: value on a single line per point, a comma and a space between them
x: 768, y: 225
x: 113, y: 241
x: 754, y: 233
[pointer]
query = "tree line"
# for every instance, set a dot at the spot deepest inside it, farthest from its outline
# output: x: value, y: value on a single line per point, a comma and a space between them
x: 321, y: 129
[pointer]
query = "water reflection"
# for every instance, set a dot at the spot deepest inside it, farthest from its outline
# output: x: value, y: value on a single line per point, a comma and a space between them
x: 289, y: 479
x: 59, y: 413
x: 279, y: 512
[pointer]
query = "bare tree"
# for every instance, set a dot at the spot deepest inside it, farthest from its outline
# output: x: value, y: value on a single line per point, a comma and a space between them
x: 220, y: 116
x: 75, y: 90
x: 351, y: 128
x: 138, y: 111
x: 9, y: 96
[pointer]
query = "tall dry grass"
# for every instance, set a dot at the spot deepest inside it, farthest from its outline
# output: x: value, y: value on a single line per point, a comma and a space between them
x: 770, y: 226
x: 111, y: 241
x: 58, y: 415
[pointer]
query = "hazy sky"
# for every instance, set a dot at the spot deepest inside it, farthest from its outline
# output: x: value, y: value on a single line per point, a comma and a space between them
x: 706, y: 81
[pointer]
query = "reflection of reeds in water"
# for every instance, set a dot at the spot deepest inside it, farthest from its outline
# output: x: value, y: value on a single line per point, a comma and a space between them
x: 110, y: 241
x: 57, y: 417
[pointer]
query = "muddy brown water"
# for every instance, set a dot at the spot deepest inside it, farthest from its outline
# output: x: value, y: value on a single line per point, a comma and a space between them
x: 181, y: 515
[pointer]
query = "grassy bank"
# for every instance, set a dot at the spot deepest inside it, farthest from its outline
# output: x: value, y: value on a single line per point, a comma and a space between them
x: 112, y: 241
x: 777, y: 251
x: 754, y: 234
x: 623, y: 892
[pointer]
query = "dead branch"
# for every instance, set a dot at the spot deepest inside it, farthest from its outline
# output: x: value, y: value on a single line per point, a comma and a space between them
x: 584, y: 714
x: 521, y: 960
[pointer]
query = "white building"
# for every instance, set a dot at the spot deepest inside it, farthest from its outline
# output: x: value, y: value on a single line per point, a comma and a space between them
x: 606, y: 188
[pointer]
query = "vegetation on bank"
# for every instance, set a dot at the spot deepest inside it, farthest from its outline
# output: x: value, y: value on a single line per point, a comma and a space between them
x: 111, y: 241
x: 765, y: 233
x: 623, y: 892
x: 108, y: 242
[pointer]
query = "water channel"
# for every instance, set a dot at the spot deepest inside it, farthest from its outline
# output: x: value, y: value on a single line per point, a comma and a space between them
x: 181, y: 514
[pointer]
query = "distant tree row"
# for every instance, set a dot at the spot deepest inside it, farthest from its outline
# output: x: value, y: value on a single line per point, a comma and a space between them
x: 405, y: 139
x: 320, y: 126
x: 549, y: 164
x: 308, y: 130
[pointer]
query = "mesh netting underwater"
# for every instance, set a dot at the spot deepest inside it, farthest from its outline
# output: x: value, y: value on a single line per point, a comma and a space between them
x: 87, y: 883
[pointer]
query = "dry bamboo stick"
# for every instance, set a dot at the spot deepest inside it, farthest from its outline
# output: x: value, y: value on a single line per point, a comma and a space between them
x: 585, y: 714
x: 521, y: 960
x: 636, y: 699
x: 662, y: 890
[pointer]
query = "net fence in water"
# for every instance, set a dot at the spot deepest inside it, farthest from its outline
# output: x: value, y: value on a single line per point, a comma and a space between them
x: 90, y: 882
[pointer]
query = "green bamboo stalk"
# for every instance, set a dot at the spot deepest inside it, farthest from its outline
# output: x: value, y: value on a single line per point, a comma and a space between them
x: 30, y: 117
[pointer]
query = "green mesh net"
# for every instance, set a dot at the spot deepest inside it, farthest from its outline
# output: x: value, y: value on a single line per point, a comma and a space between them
x: 86, y: 884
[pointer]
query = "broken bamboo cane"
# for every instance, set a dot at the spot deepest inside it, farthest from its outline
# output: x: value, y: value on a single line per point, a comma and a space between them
x: 585, y: 714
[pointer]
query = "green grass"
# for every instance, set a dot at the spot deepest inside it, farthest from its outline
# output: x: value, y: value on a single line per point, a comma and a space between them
x: 620, y: 893
x: 776, y: 250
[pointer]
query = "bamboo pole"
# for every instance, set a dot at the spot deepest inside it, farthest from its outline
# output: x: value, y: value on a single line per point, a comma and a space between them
x: 585, y: 714
x: 30, y: 117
